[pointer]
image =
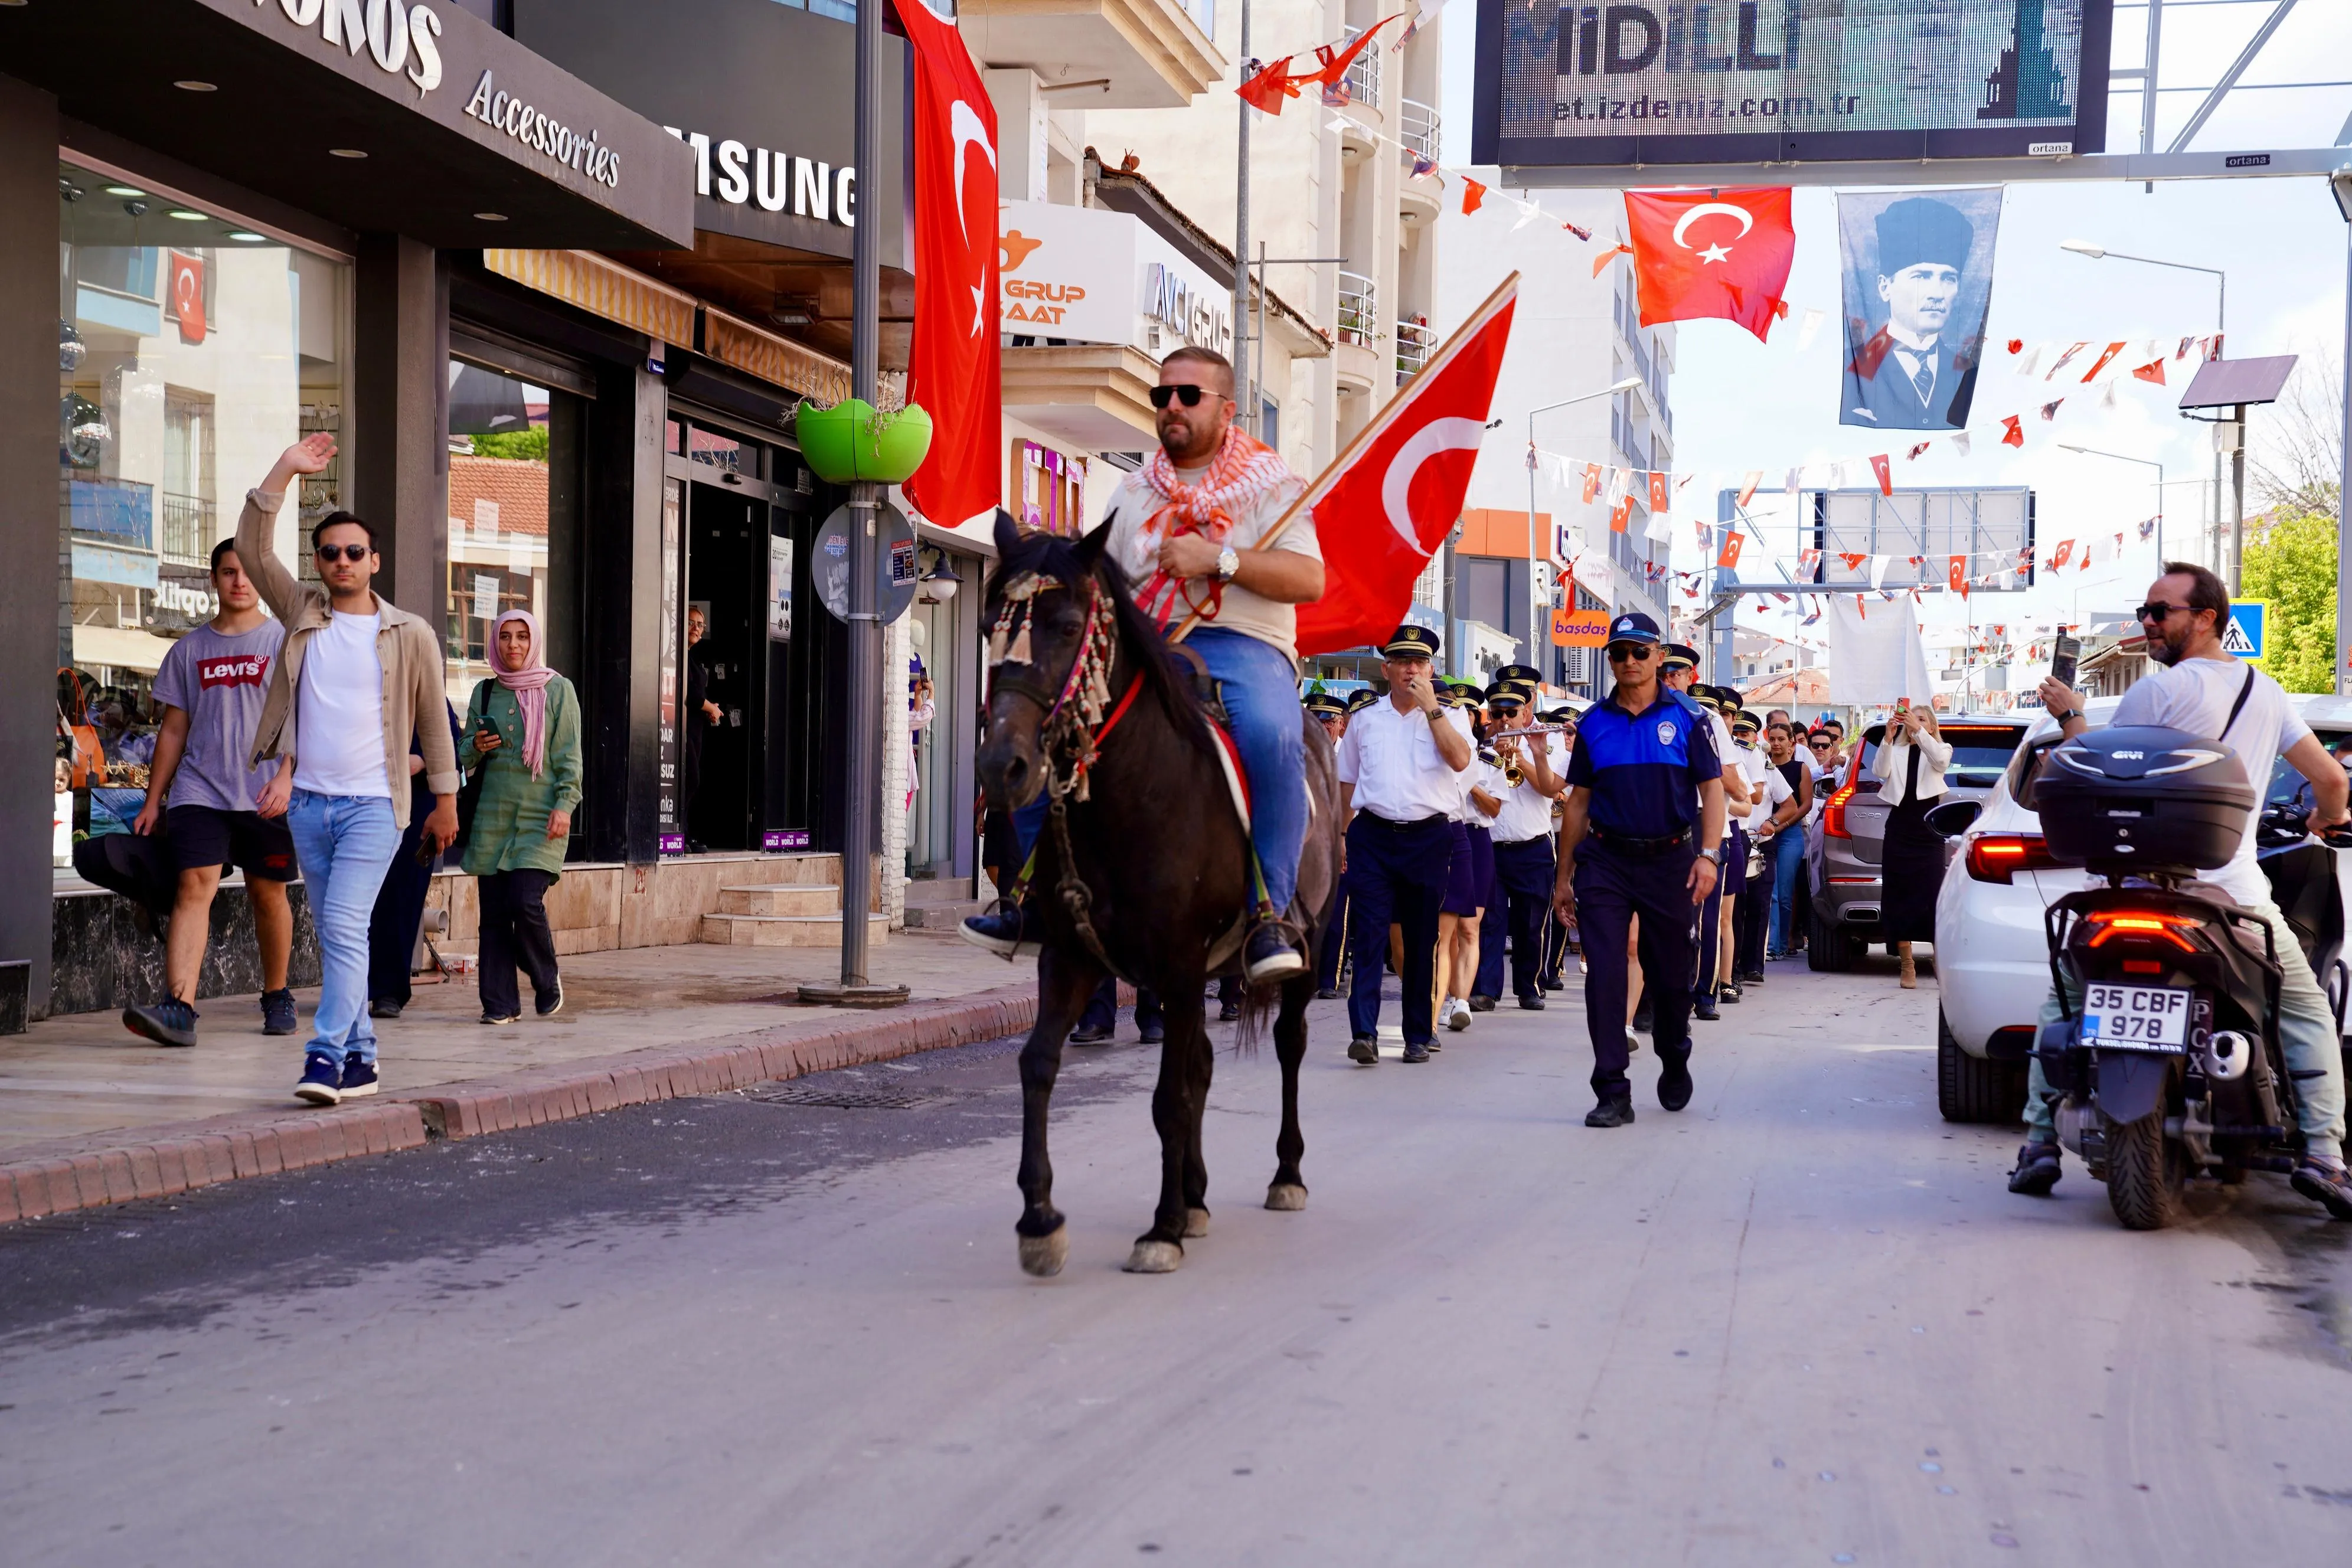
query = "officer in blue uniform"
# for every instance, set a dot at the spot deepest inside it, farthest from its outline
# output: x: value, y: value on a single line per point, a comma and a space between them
x: 1640, y: 833
x: 1400, y: 783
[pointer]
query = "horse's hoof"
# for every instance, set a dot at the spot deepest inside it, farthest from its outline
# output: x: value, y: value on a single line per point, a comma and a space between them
x: 1289, y: 1197
x: 1154, y: 1257
x: 1044, y: 1256
x: 1196, y: 1223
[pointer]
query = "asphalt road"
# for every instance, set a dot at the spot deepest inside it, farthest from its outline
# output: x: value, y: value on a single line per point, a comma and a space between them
x: 1800, y: 1323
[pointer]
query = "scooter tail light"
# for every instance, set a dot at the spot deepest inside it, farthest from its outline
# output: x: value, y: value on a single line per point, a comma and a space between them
x: 1996, y: 857
x: 2141, y: 925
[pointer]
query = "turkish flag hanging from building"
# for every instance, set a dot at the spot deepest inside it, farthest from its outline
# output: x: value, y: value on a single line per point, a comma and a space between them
x: 1388, y: 501
x: 1712, y: 253
x: 953, y: 370
x: 188, y: 295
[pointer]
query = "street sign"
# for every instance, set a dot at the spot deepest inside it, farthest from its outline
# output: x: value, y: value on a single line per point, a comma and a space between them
x: 829, y: 567
x: 2247, y: 631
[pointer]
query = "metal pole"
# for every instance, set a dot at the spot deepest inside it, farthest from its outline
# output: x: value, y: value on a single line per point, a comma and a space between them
x: 2343, y: 682
x: 1240, y: 231
x: 2238, y: 503
x: 859, y: 817
x: 1531, y: 541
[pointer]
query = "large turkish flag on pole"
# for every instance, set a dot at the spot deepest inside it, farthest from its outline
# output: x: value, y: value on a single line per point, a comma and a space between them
x: 1712, y: 253
x: 954, y: 368
x: 1386, y: 503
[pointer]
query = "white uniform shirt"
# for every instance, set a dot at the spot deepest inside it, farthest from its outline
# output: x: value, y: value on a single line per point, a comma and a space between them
x: 1759, y: 771
x: 1135, y: 502
x: 1525, y: 812
x: 2196, y: 695
x: 1393, y: 760
x: 1484, y: 775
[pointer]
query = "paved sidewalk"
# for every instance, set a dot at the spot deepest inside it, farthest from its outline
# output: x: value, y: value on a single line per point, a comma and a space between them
x: 82, y: 1093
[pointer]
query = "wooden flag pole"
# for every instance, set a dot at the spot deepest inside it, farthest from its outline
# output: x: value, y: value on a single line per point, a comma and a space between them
x: 1372, y: 427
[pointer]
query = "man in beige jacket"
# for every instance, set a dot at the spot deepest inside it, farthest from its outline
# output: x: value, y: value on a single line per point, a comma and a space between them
x: 353, y: 674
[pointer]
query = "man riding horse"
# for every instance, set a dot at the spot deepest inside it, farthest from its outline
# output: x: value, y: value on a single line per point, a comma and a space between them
x: 1182, y: 528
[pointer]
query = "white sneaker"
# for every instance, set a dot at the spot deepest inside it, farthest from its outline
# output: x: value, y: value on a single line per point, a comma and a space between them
x: 1457, y: 1015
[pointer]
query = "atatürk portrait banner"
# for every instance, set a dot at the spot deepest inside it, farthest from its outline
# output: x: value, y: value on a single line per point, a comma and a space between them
x: 1918, y: 269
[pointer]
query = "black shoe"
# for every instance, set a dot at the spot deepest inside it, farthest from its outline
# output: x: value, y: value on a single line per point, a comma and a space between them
x: 1482, y: 1004
x: 1552, y: 982
x: 1611, y: 1113
x: 1324, y: 995
x: 1229, y: 1012
x: 359, y: 1078
x: 497, y: 1018
x: 277, y: 1012
x: 549, y: 1006
x: 1704, y: 1009
x: 1727, y: 992
x: 2328, y: 1185
x: 1366, y: 1049
x: 1009, y: 932
x: 1269, y: 955
x: 1532, y: 1004
x: 322, y: 1080
x: 1153, y: 1032
x: 2037, y: 1172
x: 1091, y: 1035
x: 376, y: 1010
x: 1645, y: 1017
x: 1753, y: 977
x: 170, y: 1022
x: 697, y: 846
x: 1673, y: 1081
x: 1416, y: 1052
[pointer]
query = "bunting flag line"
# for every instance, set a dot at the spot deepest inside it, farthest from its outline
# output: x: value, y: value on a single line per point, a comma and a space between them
x: 1473, y: 194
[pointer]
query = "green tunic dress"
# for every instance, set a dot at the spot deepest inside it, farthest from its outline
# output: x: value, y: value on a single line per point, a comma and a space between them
x: 509, y: 832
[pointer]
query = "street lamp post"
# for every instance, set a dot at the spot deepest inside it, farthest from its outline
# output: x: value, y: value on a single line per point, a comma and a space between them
x: 1535, y: 597
x: 2145, y: 463
x: 2341, y: 184
x: 2237, y: 535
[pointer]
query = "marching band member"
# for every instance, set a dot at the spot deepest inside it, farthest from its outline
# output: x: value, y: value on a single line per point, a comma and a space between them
x: 1682, y: 675
x: 1472, y: 870
x: 1520, y: 904
x: 1559, y: 937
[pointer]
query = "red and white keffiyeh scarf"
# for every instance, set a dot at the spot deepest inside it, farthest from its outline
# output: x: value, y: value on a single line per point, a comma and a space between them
x: 1244, y: 470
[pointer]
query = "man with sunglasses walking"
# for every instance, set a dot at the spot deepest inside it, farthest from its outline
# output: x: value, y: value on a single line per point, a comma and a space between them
x: 353, y: 674
x: 2199, y: 687
x: 1641, y: 832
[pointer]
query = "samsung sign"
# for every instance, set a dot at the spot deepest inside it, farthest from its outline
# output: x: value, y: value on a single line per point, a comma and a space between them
x: 732, y: 173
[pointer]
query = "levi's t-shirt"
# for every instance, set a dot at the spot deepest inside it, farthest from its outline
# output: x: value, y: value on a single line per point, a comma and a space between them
x: 220, y: 682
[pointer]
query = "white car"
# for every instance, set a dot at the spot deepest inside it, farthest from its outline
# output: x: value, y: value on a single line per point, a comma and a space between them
x: 1992, y: 958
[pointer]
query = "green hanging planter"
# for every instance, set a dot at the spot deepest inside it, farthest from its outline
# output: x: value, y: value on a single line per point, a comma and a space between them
x: 850, y: 441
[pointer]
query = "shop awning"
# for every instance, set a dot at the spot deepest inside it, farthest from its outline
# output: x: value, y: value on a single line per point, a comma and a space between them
x: 818, y: 377
x: 119, y: 647
x: 601, y: 287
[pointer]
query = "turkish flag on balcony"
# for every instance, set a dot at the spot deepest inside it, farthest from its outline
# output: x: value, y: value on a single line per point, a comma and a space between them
x: 954, y: 367
x: 1712, y: 253
x: 1388, y: 501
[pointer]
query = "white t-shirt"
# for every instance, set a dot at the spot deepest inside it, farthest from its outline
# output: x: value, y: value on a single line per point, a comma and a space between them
x: 1526, y: 814
x: 1393, y: 760
x: 2196, y: 696
x: 339, y: 712
x: 1135, y: 504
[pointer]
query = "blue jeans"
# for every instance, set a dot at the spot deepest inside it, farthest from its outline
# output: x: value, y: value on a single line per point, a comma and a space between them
x: 344, y: 844
x: 1261, y: 688
x: 1787, y: 854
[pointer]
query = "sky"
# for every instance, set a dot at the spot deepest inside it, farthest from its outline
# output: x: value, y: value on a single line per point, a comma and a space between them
x: 1741, y: 405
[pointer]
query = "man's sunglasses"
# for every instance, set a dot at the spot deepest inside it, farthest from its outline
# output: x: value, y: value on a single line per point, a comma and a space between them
x: 1630, y: 652
x: 2158, y: 612
x: 1183, y: 391
x: 1819, y: 745
x: 354, y: 553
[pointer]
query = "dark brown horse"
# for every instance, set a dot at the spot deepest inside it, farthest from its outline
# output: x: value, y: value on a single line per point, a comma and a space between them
x: 1142, y: 868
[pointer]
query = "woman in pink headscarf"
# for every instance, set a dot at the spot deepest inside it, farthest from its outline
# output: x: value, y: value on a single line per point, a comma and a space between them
x: 522, y: 737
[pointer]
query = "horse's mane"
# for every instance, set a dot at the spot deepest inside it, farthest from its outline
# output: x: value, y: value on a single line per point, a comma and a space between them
x: 1169, y: 682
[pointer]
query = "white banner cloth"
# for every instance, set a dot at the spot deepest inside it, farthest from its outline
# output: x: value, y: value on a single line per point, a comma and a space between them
x: 1875, y: 654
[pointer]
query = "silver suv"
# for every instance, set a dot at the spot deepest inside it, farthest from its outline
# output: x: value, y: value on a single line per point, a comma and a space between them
x: 1845, y: 917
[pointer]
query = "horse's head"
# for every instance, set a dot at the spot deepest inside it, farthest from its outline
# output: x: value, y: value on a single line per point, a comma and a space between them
x: 1037, y: 615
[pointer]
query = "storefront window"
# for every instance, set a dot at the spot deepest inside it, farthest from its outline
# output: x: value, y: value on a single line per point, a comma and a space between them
x: 513, y: 448
x: 192, y: 350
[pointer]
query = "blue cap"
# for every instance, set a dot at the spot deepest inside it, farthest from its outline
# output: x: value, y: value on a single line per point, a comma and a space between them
x: 1635, y: 626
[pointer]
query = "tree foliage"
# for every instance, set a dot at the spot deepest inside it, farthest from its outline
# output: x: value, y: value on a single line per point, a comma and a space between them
x: 2291, y: 562
x: 530, y: 445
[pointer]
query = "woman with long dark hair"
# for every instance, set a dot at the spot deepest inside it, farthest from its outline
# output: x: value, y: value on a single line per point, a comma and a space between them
x: 1910, y: 765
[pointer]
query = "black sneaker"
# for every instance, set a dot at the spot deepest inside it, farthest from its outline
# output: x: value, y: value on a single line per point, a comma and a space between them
x: 1532, y: 1003
x: 277, y: 1012
x: 1325, y: 995
x: 1268, y: 956
x: 2328, y: 1185
x: 496, y: 1018
x: 1482, y: 1004
x: 1366, y: 1049
x: 170, y: 1022
x: 1010, y: 933
x: 322, y: 1081
x: 1704, y: 1007
x: 1229, y: 1012
x: 1087, y: 1035
x: 359, y: 1078
x: 1416, y: 1052
x: 547, y: 1008
x: 2037, y: 1172
x: 385, y: 1009
x: 1675, y: 1081
x: 1611, y: 1113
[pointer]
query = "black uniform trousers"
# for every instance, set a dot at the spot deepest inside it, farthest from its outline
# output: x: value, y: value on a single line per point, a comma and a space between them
x: 1611, y: 887
x: 1519, y: 905
x: 1396, y: 872
x: 1710, y: 920
x: 1752, y: 918
x: 1102, y: 1007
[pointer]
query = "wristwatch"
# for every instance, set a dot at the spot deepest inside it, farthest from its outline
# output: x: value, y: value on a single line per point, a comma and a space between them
x: 2069, y: 716
x: 1714, y: 853
x: 1229, y: 562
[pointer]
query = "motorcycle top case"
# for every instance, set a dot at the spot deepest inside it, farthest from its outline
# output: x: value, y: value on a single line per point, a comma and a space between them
x: 2138, y: 797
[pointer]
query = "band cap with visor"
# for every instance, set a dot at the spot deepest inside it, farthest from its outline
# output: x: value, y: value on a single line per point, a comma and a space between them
x: 1681, y: 656
x: 1409, y: 641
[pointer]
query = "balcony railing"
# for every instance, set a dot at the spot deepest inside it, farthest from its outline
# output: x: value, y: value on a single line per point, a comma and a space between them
x: 1364, y: 74
x: 1360, y: 309
x: 1418, y: 128
x: 187, y: 529
x: 1415, y: 340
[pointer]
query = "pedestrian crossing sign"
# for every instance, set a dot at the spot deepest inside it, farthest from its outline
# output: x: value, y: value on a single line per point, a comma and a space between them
x: 2246, y: 633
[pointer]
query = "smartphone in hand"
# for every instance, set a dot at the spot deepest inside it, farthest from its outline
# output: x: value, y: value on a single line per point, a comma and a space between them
x: 2064, y: 651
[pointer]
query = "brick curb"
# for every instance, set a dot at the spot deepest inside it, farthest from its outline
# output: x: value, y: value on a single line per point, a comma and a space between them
x: 176, y: 1157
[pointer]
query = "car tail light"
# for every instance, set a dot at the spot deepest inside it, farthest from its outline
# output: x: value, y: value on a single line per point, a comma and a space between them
x: 1833, y: 814
x: 1996, y: 857
x: 2141, y: 925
